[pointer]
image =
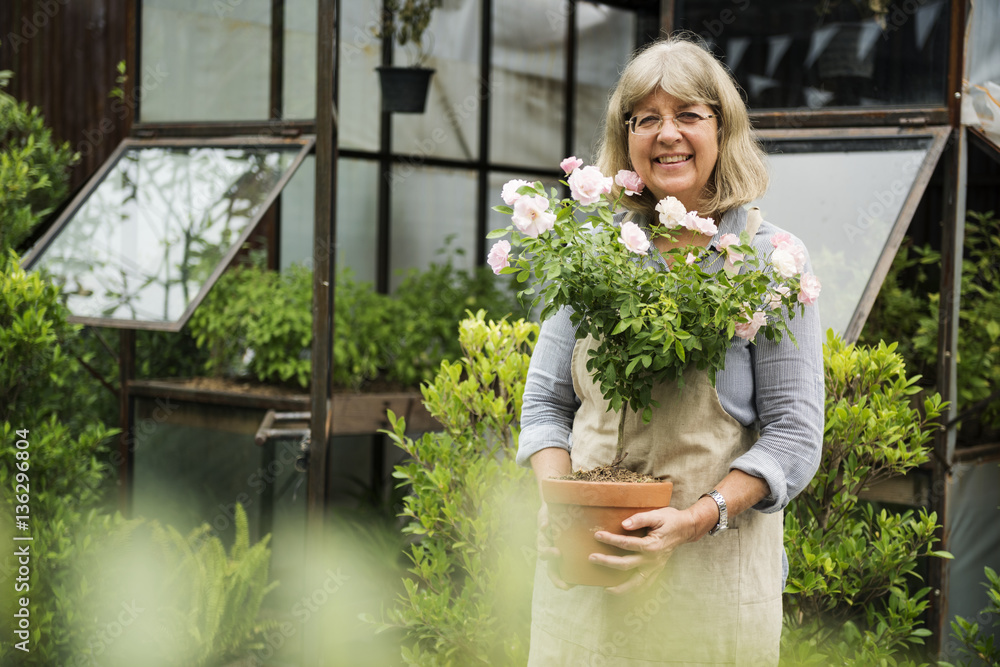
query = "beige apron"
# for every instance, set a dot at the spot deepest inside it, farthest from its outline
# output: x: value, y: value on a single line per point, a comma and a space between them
x: 718, y: 601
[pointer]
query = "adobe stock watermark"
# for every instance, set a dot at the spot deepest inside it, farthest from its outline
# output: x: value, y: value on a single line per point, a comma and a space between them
x: 46, y: 10
x: 152, y: 77
x: 302, y: 611
x: 102, y: 639
x: 884, y: 202
x: 457, y: 112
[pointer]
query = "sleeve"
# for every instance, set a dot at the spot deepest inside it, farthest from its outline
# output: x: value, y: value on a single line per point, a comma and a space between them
x: 789, y: 396
x: 549, y: 399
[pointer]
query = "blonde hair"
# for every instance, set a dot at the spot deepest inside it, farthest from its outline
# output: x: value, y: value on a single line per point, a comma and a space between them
x: 690, y: 73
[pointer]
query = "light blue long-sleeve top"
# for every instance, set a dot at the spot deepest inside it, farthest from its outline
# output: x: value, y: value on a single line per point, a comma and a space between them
x: 775, y: 387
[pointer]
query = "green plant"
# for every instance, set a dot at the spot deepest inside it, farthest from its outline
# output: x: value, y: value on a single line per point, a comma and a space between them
x: 32, y: 169
x: 399, y: 338
x: 907, y: 310
x: 976, y: 642
x: 848, y: 598
x: 654, y: 314
x: 406, y: 21
x: 61, y: 465
x: 217, y: 596
x: 467, y: 601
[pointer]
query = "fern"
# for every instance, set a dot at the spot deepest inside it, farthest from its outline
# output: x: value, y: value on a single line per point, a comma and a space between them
x: 220, y: 595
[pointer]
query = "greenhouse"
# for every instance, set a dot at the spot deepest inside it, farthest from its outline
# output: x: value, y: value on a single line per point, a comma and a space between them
x: 270, y: 388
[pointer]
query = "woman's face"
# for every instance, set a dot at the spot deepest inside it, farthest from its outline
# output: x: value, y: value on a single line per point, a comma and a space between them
x: 675, y: 162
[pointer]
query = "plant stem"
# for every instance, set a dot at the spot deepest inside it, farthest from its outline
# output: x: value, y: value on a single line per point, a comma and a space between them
x: 620, y: 450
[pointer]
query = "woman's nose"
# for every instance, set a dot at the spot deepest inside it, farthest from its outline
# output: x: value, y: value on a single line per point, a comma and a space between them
x: 669, y: 132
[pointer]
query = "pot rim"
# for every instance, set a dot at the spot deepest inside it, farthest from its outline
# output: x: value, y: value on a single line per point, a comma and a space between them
x: 639, y: 495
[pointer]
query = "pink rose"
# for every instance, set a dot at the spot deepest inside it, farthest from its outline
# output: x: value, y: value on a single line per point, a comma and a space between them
x: 704, y: 226
x: 671, y: 212
x: 634, y: 238
x: 809, y: 288
x: 690, y: 259
x: 630, y: 181
x: 782, y: 239
x: 727, y: 240
x: 570, y: 164
x: 748, y: 329
x: 785, y: 262
x: 778, y: 295
x: 509, y: 193
x: 499, y: 256
x: 531, y: 215
x: 588, y: 184
x: 797, y: 254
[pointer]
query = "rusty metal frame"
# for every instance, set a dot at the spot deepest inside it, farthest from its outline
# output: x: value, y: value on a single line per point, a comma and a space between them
x: 305, y: 145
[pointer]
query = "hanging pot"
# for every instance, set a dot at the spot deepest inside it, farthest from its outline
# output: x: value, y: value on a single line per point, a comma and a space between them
x: 404, y: 89
x: 578, y: 509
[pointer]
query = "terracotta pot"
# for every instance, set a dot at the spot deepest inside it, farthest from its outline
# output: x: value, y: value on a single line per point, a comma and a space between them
x: 579, y: 509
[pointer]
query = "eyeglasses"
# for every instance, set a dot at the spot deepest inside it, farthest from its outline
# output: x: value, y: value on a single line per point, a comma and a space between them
x: 653, y: 123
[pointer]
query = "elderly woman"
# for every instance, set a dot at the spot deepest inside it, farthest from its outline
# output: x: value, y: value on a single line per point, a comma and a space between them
x: 736, y: 452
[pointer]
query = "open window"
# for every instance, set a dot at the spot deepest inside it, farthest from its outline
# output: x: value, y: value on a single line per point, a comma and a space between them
x: 849, y: 196
x: 152, y: 231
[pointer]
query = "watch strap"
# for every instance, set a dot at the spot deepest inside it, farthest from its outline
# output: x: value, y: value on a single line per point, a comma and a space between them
x: 723, y: 523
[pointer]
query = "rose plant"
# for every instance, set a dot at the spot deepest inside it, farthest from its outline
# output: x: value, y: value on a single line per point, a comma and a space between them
x: 654, y: 314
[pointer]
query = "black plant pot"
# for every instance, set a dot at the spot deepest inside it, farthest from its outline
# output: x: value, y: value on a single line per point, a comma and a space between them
x: 404, y: 89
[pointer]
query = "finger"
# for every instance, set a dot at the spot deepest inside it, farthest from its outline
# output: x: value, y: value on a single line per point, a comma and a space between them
x: 548, y: 552
x: 557, y: 581
x: 642, y: 520
x: 623, y: 541
x: 628, y: 562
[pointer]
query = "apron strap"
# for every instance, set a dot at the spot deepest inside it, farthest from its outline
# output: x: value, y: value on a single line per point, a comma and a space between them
x: 754, y: 219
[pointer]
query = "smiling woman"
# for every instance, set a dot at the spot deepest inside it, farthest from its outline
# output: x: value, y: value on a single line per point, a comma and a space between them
x: 736, y: 449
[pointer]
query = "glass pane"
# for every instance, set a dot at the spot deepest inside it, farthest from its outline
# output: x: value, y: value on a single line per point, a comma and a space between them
x: 842, y: 199
x: 431, y: 208
x: 299, y: 93
x: 357, y: 211
x: 449, y: 126
x: 605, y: 41
x: 194, y: 462
x: 360, y: 54
x: 791, y: 53
x: 205, y: 61
x: 528, y: 78
x: 149, y: 236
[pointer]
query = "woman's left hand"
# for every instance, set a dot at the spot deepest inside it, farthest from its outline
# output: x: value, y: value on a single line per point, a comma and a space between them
x: 668, y: 529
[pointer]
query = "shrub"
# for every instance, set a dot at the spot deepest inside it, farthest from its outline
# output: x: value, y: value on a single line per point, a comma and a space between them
x: 848, y: 598
x: 467, y: 601
x: 907, y: 311
x: 263, y: 320
x: 33, y: 169
x: 976, y: 642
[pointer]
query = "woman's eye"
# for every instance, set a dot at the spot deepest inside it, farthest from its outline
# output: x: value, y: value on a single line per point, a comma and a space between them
x: 647, y: 121
x: 688, y: 117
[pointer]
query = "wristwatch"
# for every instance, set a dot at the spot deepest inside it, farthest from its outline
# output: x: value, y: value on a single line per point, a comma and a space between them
x: 723, y: 514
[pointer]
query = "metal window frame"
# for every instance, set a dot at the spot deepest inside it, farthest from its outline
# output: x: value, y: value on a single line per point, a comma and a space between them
x: 305, y: 144
x: 939, y: 139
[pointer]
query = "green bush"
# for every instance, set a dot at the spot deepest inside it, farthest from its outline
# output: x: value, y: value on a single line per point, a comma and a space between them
x: 263, y: 320
x: 33, y: 169
x: 848, y: 598
x: 468, y: 597
x: 975, y: 642
x: 63, y: 467
x: 907, y: 311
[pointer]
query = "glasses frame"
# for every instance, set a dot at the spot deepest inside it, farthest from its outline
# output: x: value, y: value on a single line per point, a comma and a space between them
x: 630, y: 122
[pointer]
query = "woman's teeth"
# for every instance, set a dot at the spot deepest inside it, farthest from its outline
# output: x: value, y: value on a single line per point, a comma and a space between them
x: 673, y: 158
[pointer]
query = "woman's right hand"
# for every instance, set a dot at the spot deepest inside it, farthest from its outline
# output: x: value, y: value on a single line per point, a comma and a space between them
x: 547, y: 550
